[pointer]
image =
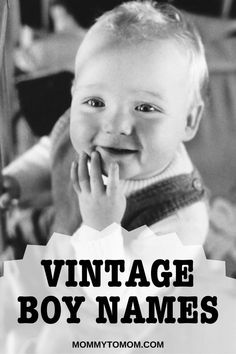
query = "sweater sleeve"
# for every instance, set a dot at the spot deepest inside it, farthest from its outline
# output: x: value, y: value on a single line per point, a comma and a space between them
x: 32, y: 170
x: 191, y: 224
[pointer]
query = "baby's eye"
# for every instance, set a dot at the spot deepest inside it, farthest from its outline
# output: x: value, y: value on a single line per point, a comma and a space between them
x: 147, y: 108
x: 95, y: 102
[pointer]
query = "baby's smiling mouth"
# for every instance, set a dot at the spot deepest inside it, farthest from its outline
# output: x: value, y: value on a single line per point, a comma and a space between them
x: 118, y: 151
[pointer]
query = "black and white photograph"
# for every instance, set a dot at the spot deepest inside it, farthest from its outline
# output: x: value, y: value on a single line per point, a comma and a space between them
x: 117, y: 176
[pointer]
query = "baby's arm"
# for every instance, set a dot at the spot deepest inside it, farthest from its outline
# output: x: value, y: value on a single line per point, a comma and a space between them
x: 28, y: 177
x: 191, y: 224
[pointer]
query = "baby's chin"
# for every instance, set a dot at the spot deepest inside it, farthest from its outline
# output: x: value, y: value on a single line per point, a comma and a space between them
x: 125, y: 172
x: 105, y: 165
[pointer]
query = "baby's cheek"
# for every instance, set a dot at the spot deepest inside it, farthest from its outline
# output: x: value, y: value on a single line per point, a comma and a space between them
x: 78, y: 136
x: 81, y: 133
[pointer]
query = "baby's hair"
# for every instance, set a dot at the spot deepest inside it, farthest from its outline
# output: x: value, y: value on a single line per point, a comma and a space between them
x: 86, y: 12
x: 138, y: 21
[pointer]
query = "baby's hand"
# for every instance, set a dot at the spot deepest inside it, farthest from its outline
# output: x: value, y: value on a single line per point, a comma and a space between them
x: 10, y: 191
x: 100, y: 205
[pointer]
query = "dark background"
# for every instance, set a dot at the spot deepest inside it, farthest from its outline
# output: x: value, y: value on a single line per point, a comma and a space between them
x: 86, y: 10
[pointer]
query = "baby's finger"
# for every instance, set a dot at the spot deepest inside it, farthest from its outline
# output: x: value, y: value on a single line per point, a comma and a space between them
x: 113, y: 178
x: 74, y: 176
x: 96, y: 181
x: 84, y: 179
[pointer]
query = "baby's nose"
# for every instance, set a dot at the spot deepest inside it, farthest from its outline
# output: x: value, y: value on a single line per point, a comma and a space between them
x: 120, y: 123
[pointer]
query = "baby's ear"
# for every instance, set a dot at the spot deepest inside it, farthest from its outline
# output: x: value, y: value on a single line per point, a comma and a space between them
x: 193, y: 121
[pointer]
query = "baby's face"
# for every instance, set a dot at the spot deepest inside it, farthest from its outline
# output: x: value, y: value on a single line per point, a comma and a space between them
x: 131, y: 103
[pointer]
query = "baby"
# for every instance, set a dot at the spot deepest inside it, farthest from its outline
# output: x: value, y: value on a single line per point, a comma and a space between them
x: 138, y: 94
